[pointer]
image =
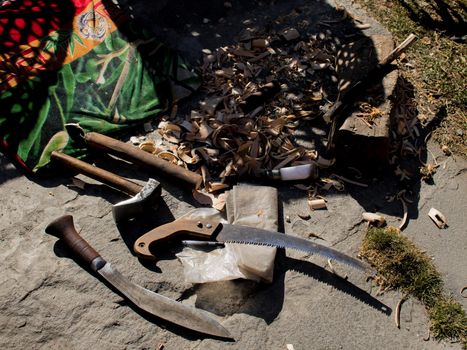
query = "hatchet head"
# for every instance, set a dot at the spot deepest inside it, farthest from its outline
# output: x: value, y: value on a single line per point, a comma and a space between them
x: 148, y: 197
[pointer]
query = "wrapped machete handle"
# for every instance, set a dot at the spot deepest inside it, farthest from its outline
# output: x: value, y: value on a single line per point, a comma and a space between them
x: 64, y: 228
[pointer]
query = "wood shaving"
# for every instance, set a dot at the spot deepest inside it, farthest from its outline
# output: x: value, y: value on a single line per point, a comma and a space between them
x: 209, y: 199
x: 406, y: 213
x: 332, y: 183
x: 148, y: 146
x: 446, y: 150
x: 375, y: 219
x: 258, y: 93
x: 368, y: 113
x: 397, y: 315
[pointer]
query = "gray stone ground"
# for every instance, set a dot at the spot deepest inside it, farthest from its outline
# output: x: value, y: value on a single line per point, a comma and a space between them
x: 47, y: 300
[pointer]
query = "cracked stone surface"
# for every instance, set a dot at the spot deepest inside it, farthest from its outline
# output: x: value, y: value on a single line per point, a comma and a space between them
x: 49, y: 300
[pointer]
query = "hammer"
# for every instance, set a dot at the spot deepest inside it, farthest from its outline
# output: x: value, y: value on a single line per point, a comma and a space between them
x: 142, y: 196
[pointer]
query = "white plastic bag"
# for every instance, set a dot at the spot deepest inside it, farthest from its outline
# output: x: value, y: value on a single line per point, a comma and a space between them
x: 247, y: 205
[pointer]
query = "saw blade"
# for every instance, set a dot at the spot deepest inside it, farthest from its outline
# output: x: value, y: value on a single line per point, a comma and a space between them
x: 251, y: 235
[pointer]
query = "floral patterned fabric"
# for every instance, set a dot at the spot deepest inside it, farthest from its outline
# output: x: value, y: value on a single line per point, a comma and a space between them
x: 78, y: 61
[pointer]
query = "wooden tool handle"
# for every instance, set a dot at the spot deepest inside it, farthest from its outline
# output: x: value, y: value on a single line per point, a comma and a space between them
x: 64, y: 229
x: 133, y: 154
x: 202, y: 229
x: 96, y: 173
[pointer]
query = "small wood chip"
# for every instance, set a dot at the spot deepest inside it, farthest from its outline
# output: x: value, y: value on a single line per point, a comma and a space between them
x: 438, y: 218
x: 375, y: 219
x: 259, y: 43
x: 317, y: 204
x: 290, y: 34
x: 446, y: 150
x: 148, y: 146
x: 304, y: 216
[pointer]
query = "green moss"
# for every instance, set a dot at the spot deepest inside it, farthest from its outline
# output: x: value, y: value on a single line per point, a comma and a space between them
x: 448, y: 321
x: 403, y: 266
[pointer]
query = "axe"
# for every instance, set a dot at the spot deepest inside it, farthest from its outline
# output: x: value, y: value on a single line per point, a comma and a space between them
x: 132, y: 154
x: 142, y: 197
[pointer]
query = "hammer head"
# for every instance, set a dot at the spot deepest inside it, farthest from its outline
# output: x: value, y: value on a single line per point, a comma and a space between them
x: 148, y: 197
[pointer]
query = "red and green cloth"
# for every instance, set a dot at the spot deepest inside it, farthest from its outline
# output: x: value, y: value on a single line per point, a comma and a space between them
x: 78, y: 61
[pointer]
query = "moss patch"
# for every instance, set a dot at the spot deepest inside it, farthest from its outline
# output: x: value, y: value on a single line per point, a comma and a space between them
x: 401, y: 265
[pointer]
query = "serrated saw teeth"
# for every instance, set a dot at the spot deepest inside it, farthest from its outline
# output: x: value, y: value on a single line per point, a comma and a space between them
x: 336, y: 256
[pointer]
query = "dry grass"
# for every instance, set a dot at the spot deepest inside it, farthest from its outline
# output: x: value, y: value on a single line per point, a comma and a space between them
x: 436, y: 65
x: 401, y: 265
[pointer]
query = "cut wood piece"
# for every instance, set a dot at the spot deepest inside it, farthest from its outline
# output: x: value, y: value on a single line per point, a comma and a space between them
x: 438, y: 218
x: 317, y: 204
x: 375, y: 219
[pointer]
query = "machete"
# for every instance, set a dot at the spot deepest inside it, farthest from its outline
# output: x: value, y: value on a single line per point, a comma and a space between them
x: 156, y: 304
x: 216, y: 231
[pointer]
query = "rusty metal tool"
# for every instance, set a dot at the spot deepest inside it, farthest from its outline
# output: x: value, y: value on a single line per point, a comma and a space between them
x: 142, y: 196
x: 132, y: 154
x: 226, y: 233
x: 156, y: 304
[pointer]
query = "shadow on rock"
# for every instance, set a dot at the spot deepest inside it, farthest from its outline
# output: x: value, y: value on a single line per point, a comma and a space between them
x: 322, y: 275
x: 226, y: 298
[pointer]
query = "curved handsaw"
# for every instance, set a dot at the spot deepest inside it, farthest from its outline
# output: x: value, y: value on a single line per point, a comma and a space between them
x: 226, y: 233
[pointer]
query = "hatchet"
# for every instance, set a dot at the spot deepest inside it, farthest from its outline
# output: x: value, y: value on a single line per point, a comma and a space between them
x: 142, y: 196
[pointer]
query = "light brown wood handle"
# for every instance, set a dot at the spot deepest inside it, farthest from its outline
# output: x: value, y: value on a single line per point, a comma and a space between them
x: 96, y: 173
x: 64, y: 228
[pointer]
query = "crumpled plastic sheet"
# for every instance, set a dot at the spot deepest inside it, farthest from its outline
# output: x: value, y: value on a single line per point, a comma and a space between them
x: 247, y: 205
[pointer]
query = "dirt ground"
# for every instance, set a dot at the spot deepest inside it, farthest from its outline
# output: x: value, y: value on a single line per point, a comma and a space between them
x: 48, y: 300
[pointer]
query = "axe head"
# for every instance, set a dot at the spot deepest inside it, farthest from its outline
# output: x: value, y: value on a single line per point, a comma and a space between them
x: 148, y: 197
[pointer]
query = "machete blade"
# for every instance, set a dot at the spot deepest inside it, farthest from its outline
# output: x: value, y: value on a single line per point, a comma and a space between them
x: 251, y: 235
x: 162, y: 306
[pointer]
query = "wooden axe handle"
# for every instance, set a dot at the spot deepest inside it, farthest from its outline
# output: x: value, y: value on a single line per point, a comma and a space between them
x: 135, y: 155
x: 96, y: 173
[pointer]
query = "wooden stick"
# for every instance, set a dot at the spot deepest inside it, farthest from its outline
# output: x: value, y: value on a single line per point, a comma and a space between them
x: 399, y: 50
